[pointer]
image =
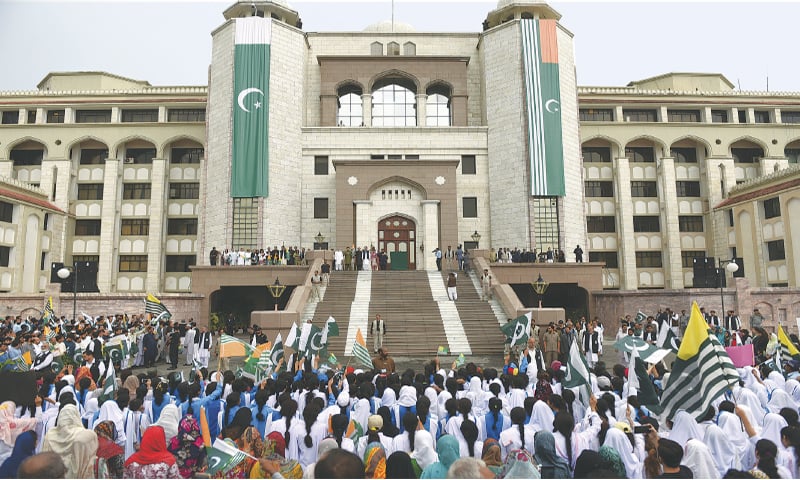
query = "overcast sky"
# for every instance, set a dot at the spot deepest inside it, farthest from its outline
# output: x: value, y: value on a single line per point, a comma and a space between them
x: 169, y: 43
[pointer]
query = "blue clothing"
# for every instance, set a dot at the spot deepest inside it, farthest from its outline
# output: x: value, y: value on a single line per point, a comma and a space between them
x: 202, y: 401
x: 212, y: 414
x: 23, y: 448
x: 158, y: 407
x: 267, y: 412
x: 493, y: 429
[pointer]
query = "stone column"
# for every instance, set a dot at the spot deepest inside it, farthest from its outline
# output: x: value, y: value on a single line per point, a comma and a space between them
x: 670, y: 232
x: 366, y: 109
x: 625, y: 236
x: 162, y: 114
x: 720, y: 173
x: 109, y: 241
x: 430, y: 236
x: 58, y: 172
x: 328, y: 114
x: 422, y: 103
x: 363, y: 223
x: 155, y: 240
x: 769, y: 165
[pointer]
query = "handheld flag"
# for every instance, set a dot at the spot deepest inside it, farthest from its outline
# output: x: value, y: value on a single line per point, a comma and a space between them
x: 640, y: 317
x: 109, y: 384
x: 222, y: 457
x: 276, y: 353
x: 517, y: 330
x: 633, y: 380
x: 332, y: 359
x: 667, y: 339
x: 360, y: 350
x: 461, y: 361
x: 293, y: 339
x: 577, y: 369
x: 153, y: 306
x: 788, y: 350
x: 233, y: 347
x: 331, y: 329
x: 204, y: 430
x: 49, y: 315
x: 443, y: 350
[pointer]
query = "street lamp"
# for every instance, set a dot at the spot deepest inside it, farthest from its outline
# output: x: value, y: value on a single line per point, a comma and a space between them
x: 540, y: 286
x: 319, y: 239
x: 476, y: 237
x: 732, y: 267
x: 64, y: 273
x: 276, y: 290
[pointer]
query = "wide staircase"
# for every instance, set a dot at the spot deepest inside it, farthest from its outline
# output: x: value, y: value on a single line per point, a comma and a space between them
x: 478, y: 318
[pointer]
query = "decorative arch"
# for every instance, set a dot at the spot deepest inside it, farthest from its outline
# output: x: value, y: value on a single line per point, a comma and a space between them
x: 615, y: 145
x: 347, y: 83
x: 694, y: 138
x: 399, y: 214
x: 751, y: 139
x: 114, y: 150
x: 397, y: 178
x: 82, y: 139
x: 390, y: 74
x: 440, y: 83
x: 161, y: 150
x: 22, y: 140
x: 657, y: 141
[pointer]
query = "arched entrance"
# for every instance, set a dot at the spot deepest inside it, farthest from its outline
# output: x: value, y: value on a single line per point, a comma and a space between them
x: 397, y: 236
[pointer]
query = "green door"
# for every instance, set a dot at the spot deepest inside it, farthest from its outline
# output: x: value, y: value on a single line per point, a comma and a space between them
x: 399, y: 260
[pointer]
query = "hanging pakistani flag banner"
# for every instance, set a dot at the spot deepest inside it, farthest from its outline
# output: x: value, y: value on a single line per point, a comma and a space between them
x: 543, y: 100
x: 250, y: 162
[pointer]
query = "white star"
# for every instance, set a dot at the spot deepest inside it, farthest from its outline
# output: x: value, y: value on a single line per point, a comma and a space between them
x: 257, y: 104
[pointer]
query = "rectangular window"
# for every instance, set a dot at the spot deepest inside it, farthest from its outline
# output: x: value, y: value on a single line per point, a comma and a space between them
x: 646, y: 223
x: 320, y: 207
x: 135, y: 227
x: 596, y: 114
x: 719, y: 116
x: 31, y: 116
x: 93, y: 116
x: 742, y: 114
x: 29, y: 158
x: 761, y: 116
x: 140, y: 155
x: 775, y: 250
x: 641, y: 154
x: 245, y: 223
x: 792, y: 154
x: 730, y: 217
x: 470, y: 207
x: 596, y: 154
x: 136, y: 191
x: 772, y: 208
x: 684, y: 155
x: 412, y: 156
x: 610, y: 258
x: 10, y: 117
x: 375, y: 156
x: 46, y: 222
x: 688, y: 256
x: 692, y: 116
x: 320, y: 165
x: 468, y: 166
x: 687, y: 188
x: 395, y: 156
x: 690, y: 223
x: 640, y: 115
x: 140, y: 116
x: 85, y: 258
x: 5, y: 256
x: 790, y: 117
x: 184, y: 191
x: 648, y: 259
x: 87, y: 228
x: 182, y: 226
x: 93, y: 156
x: 90, y: 191
x: 643, y: 189
x: 132, y: 263
x: 55, y: 116
x: 601, y: 224
x: 594, y: 188
x: 6, y: 212
x: 746, y: 155
x: 179, y: 263
x: 186, y: 155
x: 545, y: 223
x: 43, y: 261
x: 186, y: 115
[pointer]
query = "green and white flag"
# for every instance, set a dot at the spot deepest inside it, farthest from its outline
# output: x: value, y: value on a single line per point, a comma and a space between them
x: 331, y: 329
x: 640, y: 317
x: 276, y: 353
x: 250, y: 162
x: 543, y: 101
x: 577, y: 373
x: 222, y: 457
x: 518, y: 330
x: 116, y: 352
x: 109, y: 385
x: 293, y: 339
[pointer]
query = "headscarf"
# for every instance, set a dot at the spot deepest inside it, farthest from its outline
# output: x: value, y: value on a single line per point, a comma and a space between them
x: 275, y: 449
x: 544, y: 445
x: 23, y: 448
x: 589, y: 463
x: 745, y: 397
x: 519, y: 464
x: 153, y: 449
x: 84, y: 453
x: 541, y: 416
x: 187, y: 446
x: 491, y: 455
x: 698, y: 459
x: 89, y: 409
x: 777, y: 378
x: 734, y: 433
x: 780, y: 399
x: 106, y: 432
x: 389, y: 398
x: 111, y: 411
x: 684, y: 427
x: 62, y: 439
x: 792, y: 387
x: 448, y: 450
x: 773, y: 423
x: 424, y: 453
x: 84, y: 372
x: 614, y: 460
x: 169, y: 419
x: 11, y: 427
x: 723, y: 449
x: 375, y: 461
x: 616, y: 439
x: 398, y: 465
x: 131, y: 383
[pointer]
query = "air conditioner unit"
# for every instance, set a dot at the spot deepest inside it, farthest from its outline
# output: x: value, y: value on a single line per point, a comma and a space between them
x: 129, y: 160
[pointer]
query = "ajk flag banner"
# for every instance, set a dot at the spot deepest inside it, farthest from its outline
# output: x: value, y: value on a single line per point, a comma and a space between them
x: 250, y: 162
x: 543, y: 100
x: 787, y: 348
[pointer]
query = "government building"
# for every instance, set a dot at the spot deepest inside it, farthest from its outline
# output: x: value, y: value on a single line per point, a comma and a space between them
x: 404, y: 141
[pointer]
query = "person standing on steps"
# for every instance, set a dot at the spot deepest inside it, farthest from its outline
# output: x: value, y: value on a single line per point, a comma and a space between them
x: 377, y: 329
x: 316, y: 281
x: 578, y: 254
x: 486, y: 285
x: 452, y: 294
x: 438, y: 254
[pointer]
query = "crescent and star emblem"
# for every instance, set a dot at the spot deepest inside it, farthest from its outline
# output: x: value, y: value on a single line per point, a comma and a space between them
x: 244, y: 93
x: 552, y: 105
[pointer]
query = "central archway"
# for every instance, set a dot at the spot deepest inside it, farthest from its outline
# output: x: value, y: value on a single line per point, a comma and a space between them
x: 397, y: 236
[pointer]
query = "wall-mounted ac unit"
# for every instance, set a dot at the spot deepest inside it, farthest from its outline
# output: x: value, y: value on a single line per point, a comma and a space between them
x: 129, y: 160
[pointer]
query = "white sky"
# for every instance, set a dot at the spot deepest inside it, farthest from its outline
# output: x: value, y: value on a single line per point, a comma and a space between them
x: 169, y: 43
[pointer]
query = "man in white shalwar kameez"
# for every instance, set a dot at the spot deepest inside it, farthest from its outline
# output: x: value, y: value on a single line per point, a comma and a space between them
x: 188, y: 343
x: 204, y: 347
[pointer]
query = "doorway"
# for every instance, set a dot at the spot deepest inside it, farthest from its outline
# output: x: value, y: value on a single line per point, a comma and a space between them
x: 397, y: 236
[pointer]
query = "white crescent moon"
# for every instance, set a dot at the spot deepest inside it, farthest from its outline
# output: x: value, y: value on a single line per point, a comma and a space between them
x: 243, y: 94
x: 547, y: 105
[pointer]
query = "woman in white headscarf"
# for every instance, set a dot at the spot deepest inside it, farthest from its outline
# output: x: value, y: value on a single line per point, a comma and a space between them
x: 734, y: 433
x: 169, y: 420
x: 90, y: 409
x: 631, y: 457
x: 389, y: 400
x: 73, y: 443
x: 110, y: 411
x: 684, y: 428
x: 792, y: 387
x: 541, y: 416
x: 723, y: 450
x: 776, y: 378
x: 698, y: 459
x: 773, y: 424
x: 756, y: 412
x: 477, y: 396
x: 424, y: 453
x: 780, y: 399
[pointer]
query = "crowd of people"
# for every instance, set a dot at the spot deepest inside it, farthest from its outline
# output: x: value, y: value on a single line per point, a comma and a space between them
x: 258, y: 256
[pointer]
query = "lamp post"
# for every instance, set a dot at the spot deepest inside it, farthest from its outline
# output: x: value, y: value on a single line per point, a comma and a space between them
x: 476, y: 237
x: 540, y: 286
x: 64, y: 273
x: 319, y: 238
x: 732, y: 267
x: 276, y: 290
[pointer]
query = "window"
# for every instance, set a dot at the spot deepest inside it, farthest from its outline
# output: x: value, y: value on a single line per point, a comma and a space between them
x: 184, y: 191
x: 90, y: 191
x: 648, y: 259
x: 775, y: 250
x: 93, y: 116
x: 182, y: 226
x: 594, y: 188
x: 179, y: 263
x: 596, y: 115
x: 685, y: 188
x: 730, y: 217
x: 43, y: 261
x: 772, y: 208
x: 394, y: 156
x: 136, y: 191
x: 688, y: 256
x: 245, y: 223
x: 790, y: 117
x: 93, y: 156
x: 742, y: 114
x: 690, y: 223
x: 55, y: 116
x: 719, y: 116
x: 46, y: 222
x: 692, y: 116
x: 468, y: 166
x: 6, y: 212
x: 596, y: 154
x: 351, y: 109
x: 684, y: 155
x: 87, y: 228
x: 644, y: 189
x: 409, y: 48
x: 135, y: 227
x: 437, y: 109
x: 85, y: 258
x: 601, y: 224
x: 394, y: 104
x: 10, y: 117
x: 132, y: 263
x: 27, y: 158
x: 413, y: 156
x: 186, y: 155
x: 761, y: 116
x: 392, y: 48
x: 609, y: 258
x: 640, y: 115
x: 140, y: 116
x: 186, y: 115
x: 747, y: 155
x: 376, y: 48
x: 320, y: 207
x: 640, y: 154
x: 792, y: 154
x: 470, y: 207
x: 320, y: 165
x: 140, y: 155
x: 5, y: 256
x: 646, y: 223
x: 545, y: 223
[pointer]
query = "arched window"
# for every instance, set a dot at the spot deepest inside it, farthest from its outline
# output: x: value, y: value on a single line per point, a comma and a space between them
x: 437, y: 109
x: 394, y: 103
x: 350, y: 113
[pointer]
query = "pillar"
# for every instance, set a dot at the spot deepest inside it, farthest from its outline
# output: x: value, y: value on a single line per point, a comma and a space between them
x: 109, y: 252
x: 155, y: 240
x: 366, y: 109
x: 670, y: 231
x: 625, y: 236
x: 422, y: 103
x: 363, y: 223
x: 430, y: 233
x: 720, y: 176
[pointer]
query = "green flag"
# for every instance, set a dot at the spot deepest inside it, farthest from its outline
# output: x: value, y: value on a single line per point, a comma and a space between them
x: 517, y: 330
x: 116, y: 353
x: 250, y: 162
x: 109, y: 385
x: 331, y: 329
x: 222, y: 457
x: 276, y: 353
x: 461, y: 361
x: 443, y: 350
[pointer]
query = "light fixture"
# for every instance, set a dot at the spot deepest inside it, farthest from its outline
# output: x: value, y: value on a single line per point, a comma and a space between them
x: 476, y: 237
x: 540, y: 286
x: 730, y: 266
x: 63, y: 273
x: 276, y: 290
